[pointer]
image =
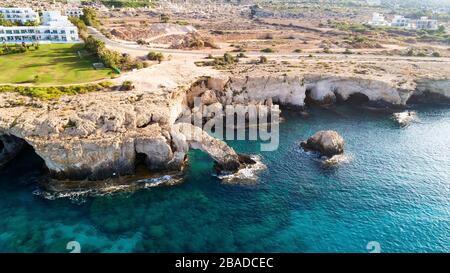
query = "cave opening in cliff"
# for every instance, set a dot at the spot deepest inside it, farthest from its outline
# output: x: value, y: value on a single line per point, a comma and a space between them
x: 20, y: 157
x: 140, y: 163
x: 308, y: 99
x: 358, y: 99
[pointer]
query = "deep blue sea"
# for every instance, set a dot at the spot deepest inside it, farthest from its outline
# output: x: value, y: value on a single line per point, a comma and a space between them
x: 395, y: 190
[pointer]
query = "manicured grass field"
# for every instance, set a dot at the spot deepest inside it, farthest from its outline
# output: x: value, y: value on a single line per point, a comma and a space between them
x: 52, y: 64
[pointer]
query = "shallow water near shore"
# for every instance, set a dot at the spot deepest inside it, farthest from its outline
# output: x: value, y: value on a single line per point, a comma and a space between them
x: 393, y: 188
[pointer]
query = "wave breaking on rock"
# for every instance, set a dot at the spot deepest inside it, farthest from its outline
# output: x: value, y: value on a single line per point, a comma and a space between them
x: 247, y: 175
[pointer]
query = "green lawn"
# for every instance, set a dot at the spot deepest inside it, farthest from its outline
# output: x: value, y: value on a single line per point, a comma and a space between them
x: 53, y: 64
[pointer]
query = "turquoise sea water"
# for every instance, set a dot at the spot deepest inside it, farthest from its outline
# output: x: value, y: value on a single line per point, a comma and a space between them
x: 394, y: 190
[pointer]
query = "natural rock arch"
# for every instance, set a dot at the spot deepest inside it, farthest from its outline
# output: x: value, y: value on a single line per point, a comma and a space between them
x: 186, y: 136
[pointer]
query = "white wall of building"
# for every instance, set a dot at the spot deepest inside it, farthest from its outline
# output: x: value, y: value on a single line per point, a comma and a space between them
x: 55, y: 28
x: 378, y: 20
x: 21, y: 15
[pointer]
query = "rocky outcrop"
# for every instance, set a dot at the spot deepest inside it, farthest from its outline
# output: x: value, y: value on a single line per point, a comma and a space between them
x: 326, y: 89
x: 186, y: 136
x: 434, y: 91
x: 282, y: 90
x: 99, y: 135
x: 327, y: 143
x: 10, y: 147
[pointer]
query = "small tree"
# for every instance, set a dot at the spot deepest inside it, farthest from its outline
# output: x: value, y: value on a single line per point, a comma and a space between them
x: 127, y: 86
x: 155, y: 56
x: 228, y: 58
x: 410, y: 52
x: 263, y: 60
x: 90, y: 17
x: 268, y: 50
x: 164, y: 18
x: 348, y: 51
x: 436, y: 54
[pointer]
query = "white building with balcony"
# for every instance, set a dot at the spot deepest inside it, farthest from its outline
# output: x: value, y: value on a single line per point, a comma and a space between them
x: 401, y: 21
x: 378, y: 20
x: 55, y: 28
x: 427, y: 24
x: 21, y: 15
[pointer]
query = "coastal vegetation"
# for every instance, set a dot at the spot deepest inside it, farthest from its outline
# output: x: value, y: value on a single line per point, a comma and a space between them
x: 81, y: 26
x: 268, y: 50
x: 52, y: 64
x: 127, y: 86
x: 55, y: 92
x: 439, y: 35
x: 111, y: 58
x: 89, y: 17
x: 155, y: 56
x: 220, y: 61
x: 128, y: 3
x: 17, y: 48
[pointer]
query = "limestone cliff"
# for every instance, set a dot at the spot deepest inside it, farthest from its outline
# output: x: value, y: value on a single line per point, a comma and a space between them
x: 296, y: 90
x: 99, y: 135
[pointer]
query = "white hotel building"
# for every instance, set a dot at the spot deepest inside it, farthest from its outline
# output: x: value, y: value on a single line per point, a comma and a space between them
x: 55, y: 28
x: 21, y: 15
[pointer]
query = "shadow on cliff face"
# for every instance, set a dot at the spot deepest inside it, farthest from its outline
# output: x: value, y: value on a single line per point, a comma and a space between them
x: 25, y: 165
x: 357, y: 99
x: 10, y: 149
x: 428, y: 97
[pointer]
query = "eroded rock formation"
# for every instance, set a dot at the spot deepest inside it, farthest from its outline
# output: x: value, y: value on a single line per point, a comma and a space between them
x: 327, y: 143
x: 99, y: 135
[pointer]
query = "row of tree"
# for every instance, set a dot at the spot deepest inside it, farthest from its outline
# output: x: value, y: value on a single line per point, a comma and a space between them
x: 17, y: 48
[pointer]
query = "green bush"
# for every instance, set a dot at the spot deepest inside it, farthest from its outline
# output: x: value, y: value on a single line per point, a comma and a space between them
x: 127, y: 86
x: 17, y: 48
x: 78, y: 23
x: 155, y: 56
x: 348, y: 51
x: 55, y: 92
x: 263, y: 60
x: 89, y: 17
x: 268, y: 50
x: 228, y: 58
x: 165, y: 18
x: 326, y: 50
x: 436, y: 54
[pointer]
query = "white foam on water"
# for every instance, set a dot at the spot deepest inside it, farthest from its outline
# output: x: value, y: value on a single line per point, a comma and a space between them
x: 80, y: 195
x: 405, y: 118
x: 246, y: 175
x: 337, y: 160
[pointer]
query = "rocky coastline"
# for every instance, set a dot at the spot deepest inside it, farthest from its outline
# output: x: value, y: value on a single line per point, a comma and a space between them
x: 97, y: 136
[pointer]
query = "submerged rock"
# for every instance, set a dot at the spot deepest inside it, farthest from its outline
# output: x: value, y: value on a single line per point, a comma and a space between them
x: 327, y: 143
